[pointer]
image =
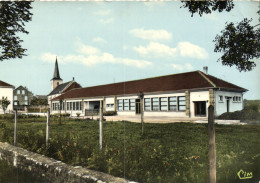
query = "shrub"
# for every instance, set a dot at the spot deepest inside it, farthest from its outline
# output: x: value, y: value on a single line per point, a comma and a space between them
x: 246, y: 114
x: 110, y: 113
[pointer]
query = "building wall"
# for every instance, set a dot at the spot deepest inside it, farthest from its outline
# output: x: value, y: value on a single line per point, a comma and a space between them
x: 198, y: 96
x: 22, y: 96
x: 221, y: 106
x: 6, y: 92
x: 55, y: 83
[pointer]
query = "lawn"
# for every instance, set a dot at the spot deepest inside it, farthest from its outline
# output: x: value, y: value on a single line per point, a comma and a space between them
x: 176, y: 152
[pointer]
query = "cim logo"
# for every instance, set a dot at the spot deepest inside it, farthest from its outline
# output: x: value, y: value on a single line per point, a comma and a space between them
x: 244, y: 175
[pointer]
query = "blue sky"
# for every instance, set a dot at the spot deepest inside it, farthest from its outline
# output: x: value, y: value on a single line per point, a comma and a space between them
x: 106, y: 42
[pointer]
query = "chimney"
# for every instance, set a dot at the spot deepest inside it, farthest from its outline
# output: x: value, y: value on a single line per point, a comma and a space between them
x: 205, y: 69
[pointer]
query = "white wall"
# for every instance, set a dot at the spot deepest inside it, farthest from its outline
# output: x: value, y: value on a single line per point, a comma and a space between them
x: 221, y: 107
x: 198, y: 96
x: 7, y: 92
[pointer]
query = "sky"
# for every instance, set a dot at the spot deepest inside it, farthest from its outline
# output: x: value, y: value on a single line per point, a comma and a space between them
x: 106, y: 42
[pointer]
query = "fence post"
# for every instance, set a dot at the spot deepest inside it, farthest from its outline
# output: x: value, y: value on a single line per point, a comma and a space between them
x: 48, y: 128
x: 142, y: 114
x: 212, y: 146
x: 100, y: 124
x: 15, y: 127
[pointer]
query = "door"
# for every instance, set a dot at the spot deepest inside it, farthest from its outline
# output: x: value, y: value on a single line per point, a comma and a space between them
x: 228, y: 105
x: 200, y: 108
x: 137, y: 106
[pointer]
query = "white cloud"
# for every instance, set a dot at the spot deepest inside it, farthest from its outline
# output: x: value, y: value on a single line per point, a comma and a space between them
x: 181, y: 67
x: 106, y: 21
x: 102, y: 12
x: 152, y: 35
x: 187, y: 49
x: 89, y: 56
x: 183, y: 49
x: 99, y: 40
x: 156, y: 50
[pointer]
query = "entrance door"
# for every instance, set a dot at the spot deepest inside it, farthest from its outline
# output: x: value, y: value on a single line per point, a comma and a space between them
x: 200, y: 108
x: 228, y: 105
x: 137, y: 106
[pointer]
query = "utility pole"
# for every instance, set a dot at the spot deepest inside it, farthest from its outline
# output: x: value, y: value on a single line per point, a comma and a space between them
x: 15, y: 127
x: 48, y: 128
x: 212, y: 146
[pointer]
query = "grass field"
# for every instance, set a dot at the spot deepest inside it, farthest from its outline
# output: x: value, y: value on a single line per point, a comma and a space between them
x: 176, y: 152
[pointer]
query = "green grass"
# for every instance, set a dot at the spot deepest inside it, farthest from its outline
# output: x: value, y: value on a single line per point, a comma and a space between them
x: 175, y: 152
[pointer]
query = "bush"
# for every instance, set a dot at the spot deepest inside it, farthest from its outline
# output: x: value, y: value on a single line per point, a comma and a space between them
x: 110, y: 113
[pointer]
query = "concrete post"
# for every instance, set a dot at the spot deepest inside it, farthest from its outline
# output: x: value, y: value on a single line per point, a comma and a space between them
x: 100, y: 124
x: 15, y: 127
x: 48, y: 128
x: 142, y: 114
x: 212, y: 146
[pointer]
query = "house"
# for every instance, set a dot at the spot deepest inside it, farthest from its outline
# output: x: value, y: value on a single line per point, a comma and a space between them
x: 22, y: 97
x: 178, y: 95
x: 6, y: 90
x: 57, y: 85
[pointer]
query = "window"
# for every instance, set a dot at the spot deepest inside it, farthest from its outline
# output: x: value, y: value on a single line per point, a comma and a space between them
x: 15, y: 103
x: 68, y: 105
x: 234, y: 99
x: 172, y: 104
x: 25, y: 97
x: 220, y: 98
x: 181, y: 104
x: 18, y: 92
x: 15, y: 97
x: 126, y: 104
x: 77, y: 106
x: 239, y: 99
x: 120, y: 105
x: 80, y: 106
x: 163, y: 104
x: 58, y: 83
x: 147, y: 104
x: 155, y: 104
x: 132, y: 104
x: 23, y: 92
x: 74, y: 106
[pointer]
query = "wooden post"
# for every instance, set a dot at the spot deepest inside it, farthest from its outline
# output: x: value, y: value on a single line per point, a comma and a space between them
x: 15, y: 127
x: 142, y: 114
x: 212, y: 146
x: 48, y: 128
x: 100, y: 124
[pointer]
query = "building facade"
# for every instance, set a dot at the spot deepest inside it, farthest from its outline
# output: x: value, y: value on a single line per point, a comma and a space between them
x: 6, y: 91
x: 178, y: 95
x: 22, y: 96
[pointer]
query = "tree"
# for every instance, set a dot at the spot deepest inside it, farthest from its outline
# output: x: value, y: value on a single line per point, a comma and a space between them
x: 5, y: 103
x: 239, y: 42
x: 13, y: 16
x: 39, y: 101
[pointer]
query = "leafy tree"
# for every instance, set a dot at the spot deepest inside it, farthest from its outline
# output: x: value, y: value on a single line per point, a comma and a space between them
x: 39, y: 101
x: 5, y: 103
x: 13, y: 16
x: 239, y: 42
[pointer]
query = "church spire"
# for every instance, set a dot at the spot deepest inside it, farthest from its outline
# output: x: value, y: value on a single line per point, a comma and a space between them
x: 56, y: 74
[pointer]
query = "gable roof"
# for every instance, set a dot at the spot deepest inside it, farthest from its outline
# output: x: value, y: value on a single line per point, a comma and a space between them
x: 64, y: 87
x: 174, y: 82
x: 6, y: 85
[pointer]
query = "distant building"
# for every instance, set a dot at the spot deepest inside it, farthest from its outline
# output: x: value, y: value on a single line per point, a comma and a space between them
x: 57, y: 85
x: 22, y: 96
x: 6, y: 90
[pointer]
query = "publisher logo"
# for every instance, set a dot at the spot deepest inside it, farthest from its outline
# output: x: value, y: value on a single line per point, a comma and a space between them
x: 244, y: 175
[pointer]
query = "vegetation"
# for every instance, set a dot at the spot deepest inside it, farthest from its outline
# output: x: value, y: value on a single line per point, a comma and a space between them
x: 39, y: 101
x: 5, y: 103
x: 239, y: 42
x: 110, y: 113
x: 175, y: 152
x: 13, y: 16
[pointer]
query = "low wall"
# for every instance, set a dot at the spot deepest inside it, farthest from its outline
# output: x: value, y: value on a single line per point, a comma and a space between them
x: 51, y: 169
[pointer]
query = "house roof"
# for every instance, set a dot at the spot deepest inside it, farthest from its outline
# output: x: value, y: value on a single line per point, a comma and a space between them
x: 64, y: 87
x: 174, y: 82
x: 56, y: 74
x: 4, y: 84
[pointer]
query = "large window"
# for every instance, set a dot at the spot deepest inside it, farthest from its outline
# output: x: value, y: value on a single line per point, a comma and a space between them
x: 126, y: 104
x: 132, y: 104
x: 147, y: 104
x: 155, y: 104
x: 80, y: 105
x: 163, y: 104
x: 18, y: 92
x: 172, y: 104
x: 25, y: 97
x: 120, y: 105
x: 23, y: 92
x: 181, y: 104
x: 77, y: 106
x: 15, y: 97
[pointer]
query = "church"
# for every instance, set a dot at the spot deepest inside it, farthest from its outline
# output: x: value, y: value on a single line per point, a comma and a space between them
x: 184, y: 95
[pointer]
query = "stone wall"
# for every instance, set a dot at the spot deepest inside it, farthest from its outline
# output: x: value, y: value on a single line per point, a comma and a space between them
x: 51, y: 169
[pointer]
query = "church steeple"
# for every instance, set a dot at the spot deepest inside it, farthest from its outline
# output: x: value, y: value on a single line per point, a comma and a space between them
x: 56, y: 80
x: 56, y: 74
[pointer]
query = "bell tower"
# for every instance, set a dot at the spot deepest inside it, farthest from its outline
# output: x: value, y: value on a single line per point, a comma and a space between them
x: 56, y: 80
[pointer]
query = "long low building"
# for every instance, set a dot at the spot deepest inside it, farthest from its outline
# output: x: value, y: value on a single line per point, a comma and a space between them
x: 178, y: 95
